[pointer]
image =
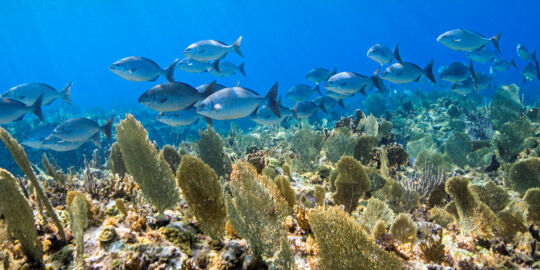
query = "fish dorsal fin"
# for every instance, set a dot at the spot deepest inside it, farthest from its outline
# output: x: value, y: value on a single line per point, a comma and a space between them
x: 396, y: 53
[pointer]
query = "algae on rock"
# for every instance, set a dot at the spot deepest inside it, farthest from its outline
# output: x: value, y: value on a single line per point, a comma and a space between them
x: 211, y: 150
x: 257, y: 213
x: 343, y: 244
x: 202, y: 191
x: 19, y: 216
x: 351, y: 183
x: 152, y: 173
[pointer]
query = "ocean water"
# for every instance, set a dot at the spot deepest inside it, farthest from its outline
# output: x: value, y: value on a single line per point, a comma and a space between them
x: 56, y: 42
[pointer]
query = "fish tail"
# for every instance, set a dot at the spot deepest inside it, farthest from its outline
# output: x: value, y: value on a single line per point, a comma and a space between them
x: 473, y: 74
x: 321, y: 106
x: 208, y: 120
x: 428, y: 71
x: 396, y: 54
x: 377, y: 81
x: 318, y: 89
x: 295, y: 112
x: 169, y: 71
x: 333, y: 72
x: 236, y: 46
x: 209, y: 89
x: 495, y: 40
x: 66, y: 93
x: 107, y: 127
x: 514, y: 64
x: 95, y: 140
x: 36, y: 107
x: 241, y: 69
x: 340, y: 103
x: 271, y: 97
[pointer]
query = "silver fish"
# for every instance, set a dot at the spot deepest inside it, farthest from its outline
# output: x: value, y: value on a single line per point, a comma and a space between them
x: 29, y: 92
x: 502, y: 65
x: 524, y: 53
x: 225, y: 69
x: 301, y: 92
x: 529, y: 72
x: 37, y: 136
x: 482, y: 55
x: 211, y: 50
x: 457, y: 72
x: 483, y: 80
x: 179, y: 118
x: 348, y: 83
x: 328, y: 102
x: 406, y: 72
x: 81, y: 129
x: 380, y: 54
x: 337, y: 96
x: 467, y: 40
x: 201, y: 88
x: 140, y: 69
x: 12, y: 110
x: 193, y: 66
x: 59, y: 145
x: 305, y: 109
x: 318, y: 75
x: 236, y: 102
x: 173, y: 96
x: 265, y: 116
x: 465, y: 87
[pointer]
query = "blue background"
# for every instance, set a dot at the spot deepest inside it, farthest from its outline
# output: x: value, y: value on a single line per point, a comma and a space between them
x: 59, y: 41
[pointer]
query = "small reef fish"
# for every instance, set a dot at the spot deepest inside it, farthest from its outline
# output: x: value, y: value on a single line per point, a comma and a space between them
x: 140, y: 69
x: 482, y: 55
x: 173, y: 96
x: 305, y: 109
x: 265, y: 116
x: 380, y: 54
x: 524, y: 53
x: 318, y: 75
x: 37, y: 136
x: 211, y: 50
x: 236, y: 102
x: 457, y: 72
x: 13, y: 110
x: 502, y: 65
x: 348, y: 83
x: 302, y: 92
x: 225, y: 69
x: 406, y: 72
x: 59, y: 145
x: 184, y: 117
x: 81, y: 129
x: 28, y: 93
x: 483, y: 80
x: 193, y: 66
x: 465, y: 87
x: 467, y: 40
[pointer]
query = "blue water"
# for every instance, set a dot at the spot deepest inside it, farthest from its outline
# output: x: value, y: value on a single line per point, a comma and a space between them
x: 60, y: 41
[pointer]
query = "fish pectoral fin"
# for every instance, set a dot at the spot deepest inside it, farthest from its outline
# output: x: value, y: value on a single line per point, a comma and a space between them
x: 163, y: 100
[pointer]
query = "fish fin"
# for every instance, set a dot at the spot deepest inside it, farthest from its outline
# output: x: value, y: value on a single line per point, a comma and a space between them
x: 340, y: 103
x: 334, y: 71
x: 295, y: 113
x: 396, y: 53
x: 429, y: 72
x: 107, y: 127
x: 473, y: 74
x: 66, y: 93
x: 533, y: 56
x: 208, y: 120
x: 215, y: 65
x: 271, y: 97
x: 95, y: 140
x: 236, y: 46
x: 514, y: 64
x: 321, y: 106
x: 363, y: 91
x: 209, y: 89
x: 169, y: 71
x: 278, y: 100
x: 377, y: 81
x: 36, y: 107
x: 19, y: 119
x: 241, y: 69
x: 495, y: 40
x: 318, y: 89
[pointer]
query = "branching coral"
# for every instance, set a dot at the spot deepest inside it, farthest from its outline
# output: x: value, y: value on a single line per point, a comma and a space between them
x: 343, y: 244
x: 211, y: 150
x: 257, y: 211
x: 424, y: 181
x: 351, y: 183
x: 152, y: 173
x: 474, y: 215
x: 19, y: 216
x: 202, y: 191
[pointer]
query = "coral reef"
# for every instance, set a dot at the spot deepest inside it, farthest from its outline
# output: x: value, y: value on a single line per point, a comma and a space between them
x: 211, y: 150
x: 340, y: 143
x: 117, y: 162
x: 78, y: 222
x: 403, y: 229
x: 363, y: 150
x: 307, y: 144
x: 202, y: 191
x: 458, y: 146
x: 351, y: 183
x: 152, y: 173
x: 532, y: 197
x: 172, y: 157
x: 351, y: 247
x: 286, y: 191
x: 523, y: 175
x: 376, y: 211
